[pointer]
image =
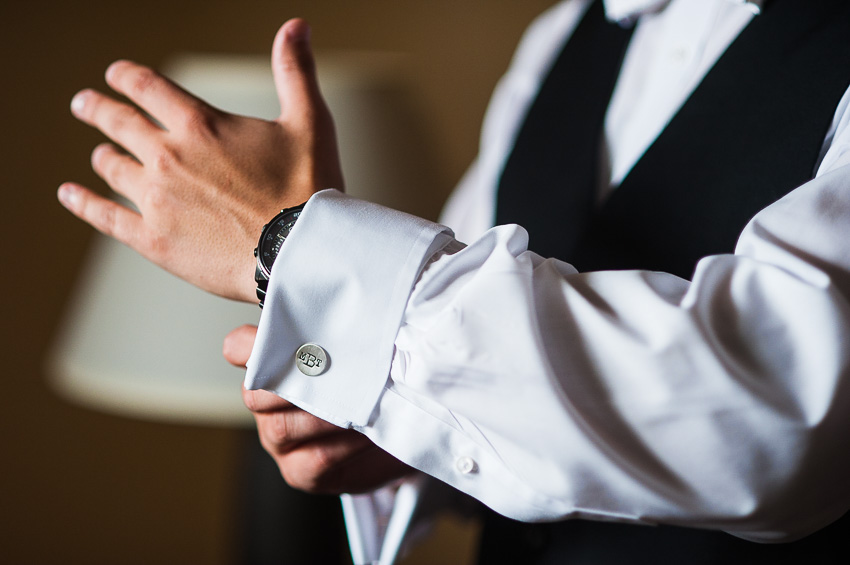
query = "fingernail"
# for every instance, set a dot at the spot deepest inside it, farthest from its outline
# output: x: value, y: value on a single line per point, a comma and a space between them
x: 69, y: 196
x: 78, y: 102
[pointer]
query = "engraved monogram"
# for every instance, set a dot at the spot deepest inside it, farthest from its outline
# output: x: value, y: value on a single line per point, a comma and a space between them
x: 309, y: 359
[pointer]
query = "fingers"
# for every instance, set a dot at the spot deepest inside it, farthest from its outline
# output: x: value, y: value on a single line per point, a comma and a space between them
x: 324, y: 466
x: 295, y: 71
x: 120, y: 171
x: 346, y: 461
x: 120, y: 122
x: 261, y: 401
x: 165, y: 101
x: 282, y: 425
x: 314, y: 455
x: 285, y: 430
x: 106, y: 216
x: 238, y: 345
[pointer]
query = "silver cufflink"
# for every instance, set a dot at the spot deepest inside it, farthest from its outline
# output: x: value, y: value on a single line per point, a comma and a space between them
x: 311, y: 359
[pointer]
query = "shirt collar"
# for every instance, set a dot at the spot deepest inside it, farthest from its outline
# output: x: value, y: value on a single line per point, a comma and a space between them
x: 630, y: 10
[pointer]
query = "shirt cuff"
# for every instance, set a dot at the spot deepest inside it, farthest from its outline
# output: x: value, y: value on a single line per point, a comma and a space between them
x: 326, y: 289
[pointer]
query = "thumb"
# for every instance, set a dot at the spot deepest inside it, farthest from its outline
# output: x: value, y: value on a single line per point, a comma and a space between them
x: 238, y: 345
x: 295, y: 71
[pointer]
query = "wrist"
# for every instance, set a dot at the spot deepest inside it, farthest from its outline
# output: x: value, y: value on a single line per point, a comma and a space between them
x: 272, y: 237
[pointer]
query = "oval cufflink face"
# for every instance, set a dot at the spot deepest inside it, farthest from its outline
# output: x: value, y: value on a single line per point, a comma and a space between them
x: 311, y: 359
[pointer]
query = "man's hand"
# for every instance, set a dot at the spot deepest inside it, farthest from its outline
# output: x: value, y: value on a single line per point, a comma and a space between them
x: 312, y: 454
x: 204, y: 181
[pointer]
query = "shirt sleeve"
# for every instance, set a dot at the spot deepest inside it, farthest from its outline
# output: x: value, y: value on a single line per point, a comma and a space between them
x: 548, y: 394
x: 545, y: 393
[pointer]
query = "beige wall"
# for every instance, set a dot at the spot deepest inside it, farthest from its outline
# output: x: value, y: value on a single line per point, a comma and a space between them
x: 83, y: 487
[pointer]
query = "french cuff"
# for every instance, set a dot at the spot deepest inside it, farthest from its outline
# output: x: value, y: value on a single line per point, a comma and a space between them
x: 340, y: 283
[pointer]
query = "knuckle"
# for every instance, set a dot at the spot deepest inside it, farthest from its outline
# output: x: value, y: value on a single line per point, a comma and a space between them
x: 314, y: 469
x: 292, y: 473
x: 143, y: 81
x: 249, y: 399
x: 201, y: 121
x: 117, y: 120
x: 164, y: 159
x: 256, y: 403
x: 155, y: 197
x: 157, y: 247
x: 320, y: 461
x: 106, y: 220
x: 280, y: 429
x: 299, y: 476
x: 273, y: 432
x: 157, y: 201
x: 319, y: 470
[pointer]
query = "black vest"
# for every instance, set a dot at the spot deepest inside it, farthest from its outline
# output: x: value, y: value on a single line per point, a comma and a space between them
x: 750, y: 133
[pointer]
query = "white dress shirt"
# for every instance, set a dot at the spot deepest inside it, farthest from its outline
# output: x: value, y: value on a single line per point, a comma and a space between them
x: 548, y: 394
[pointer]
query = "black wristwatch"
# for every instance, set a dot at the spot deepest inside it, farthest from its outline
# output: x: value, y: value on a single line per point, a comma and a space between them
x: 274, y: 234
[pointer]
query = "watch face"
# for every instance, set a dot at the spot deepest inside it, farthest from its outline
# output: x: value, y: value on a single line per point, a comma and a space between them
x: 273, y: 237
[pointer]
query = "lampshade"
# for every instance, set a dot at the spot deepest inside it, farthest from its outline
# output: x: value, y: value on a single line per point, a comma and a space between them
x: 139, y: 342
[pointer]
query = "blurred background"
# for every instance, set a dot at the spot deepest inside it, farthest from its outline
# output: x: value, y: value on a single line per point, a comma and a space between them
x: 80, y: 485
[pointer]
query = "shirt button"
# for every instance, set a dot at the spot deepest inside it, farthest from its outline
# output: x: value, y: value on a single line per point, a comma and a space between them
x: 466, y: 465
x: 311, y: 359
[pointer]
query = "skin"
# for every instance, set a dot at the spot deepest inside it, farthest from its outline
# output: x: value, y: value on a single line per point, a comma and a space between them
x: 312, y: 455
x: 204, y: 182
